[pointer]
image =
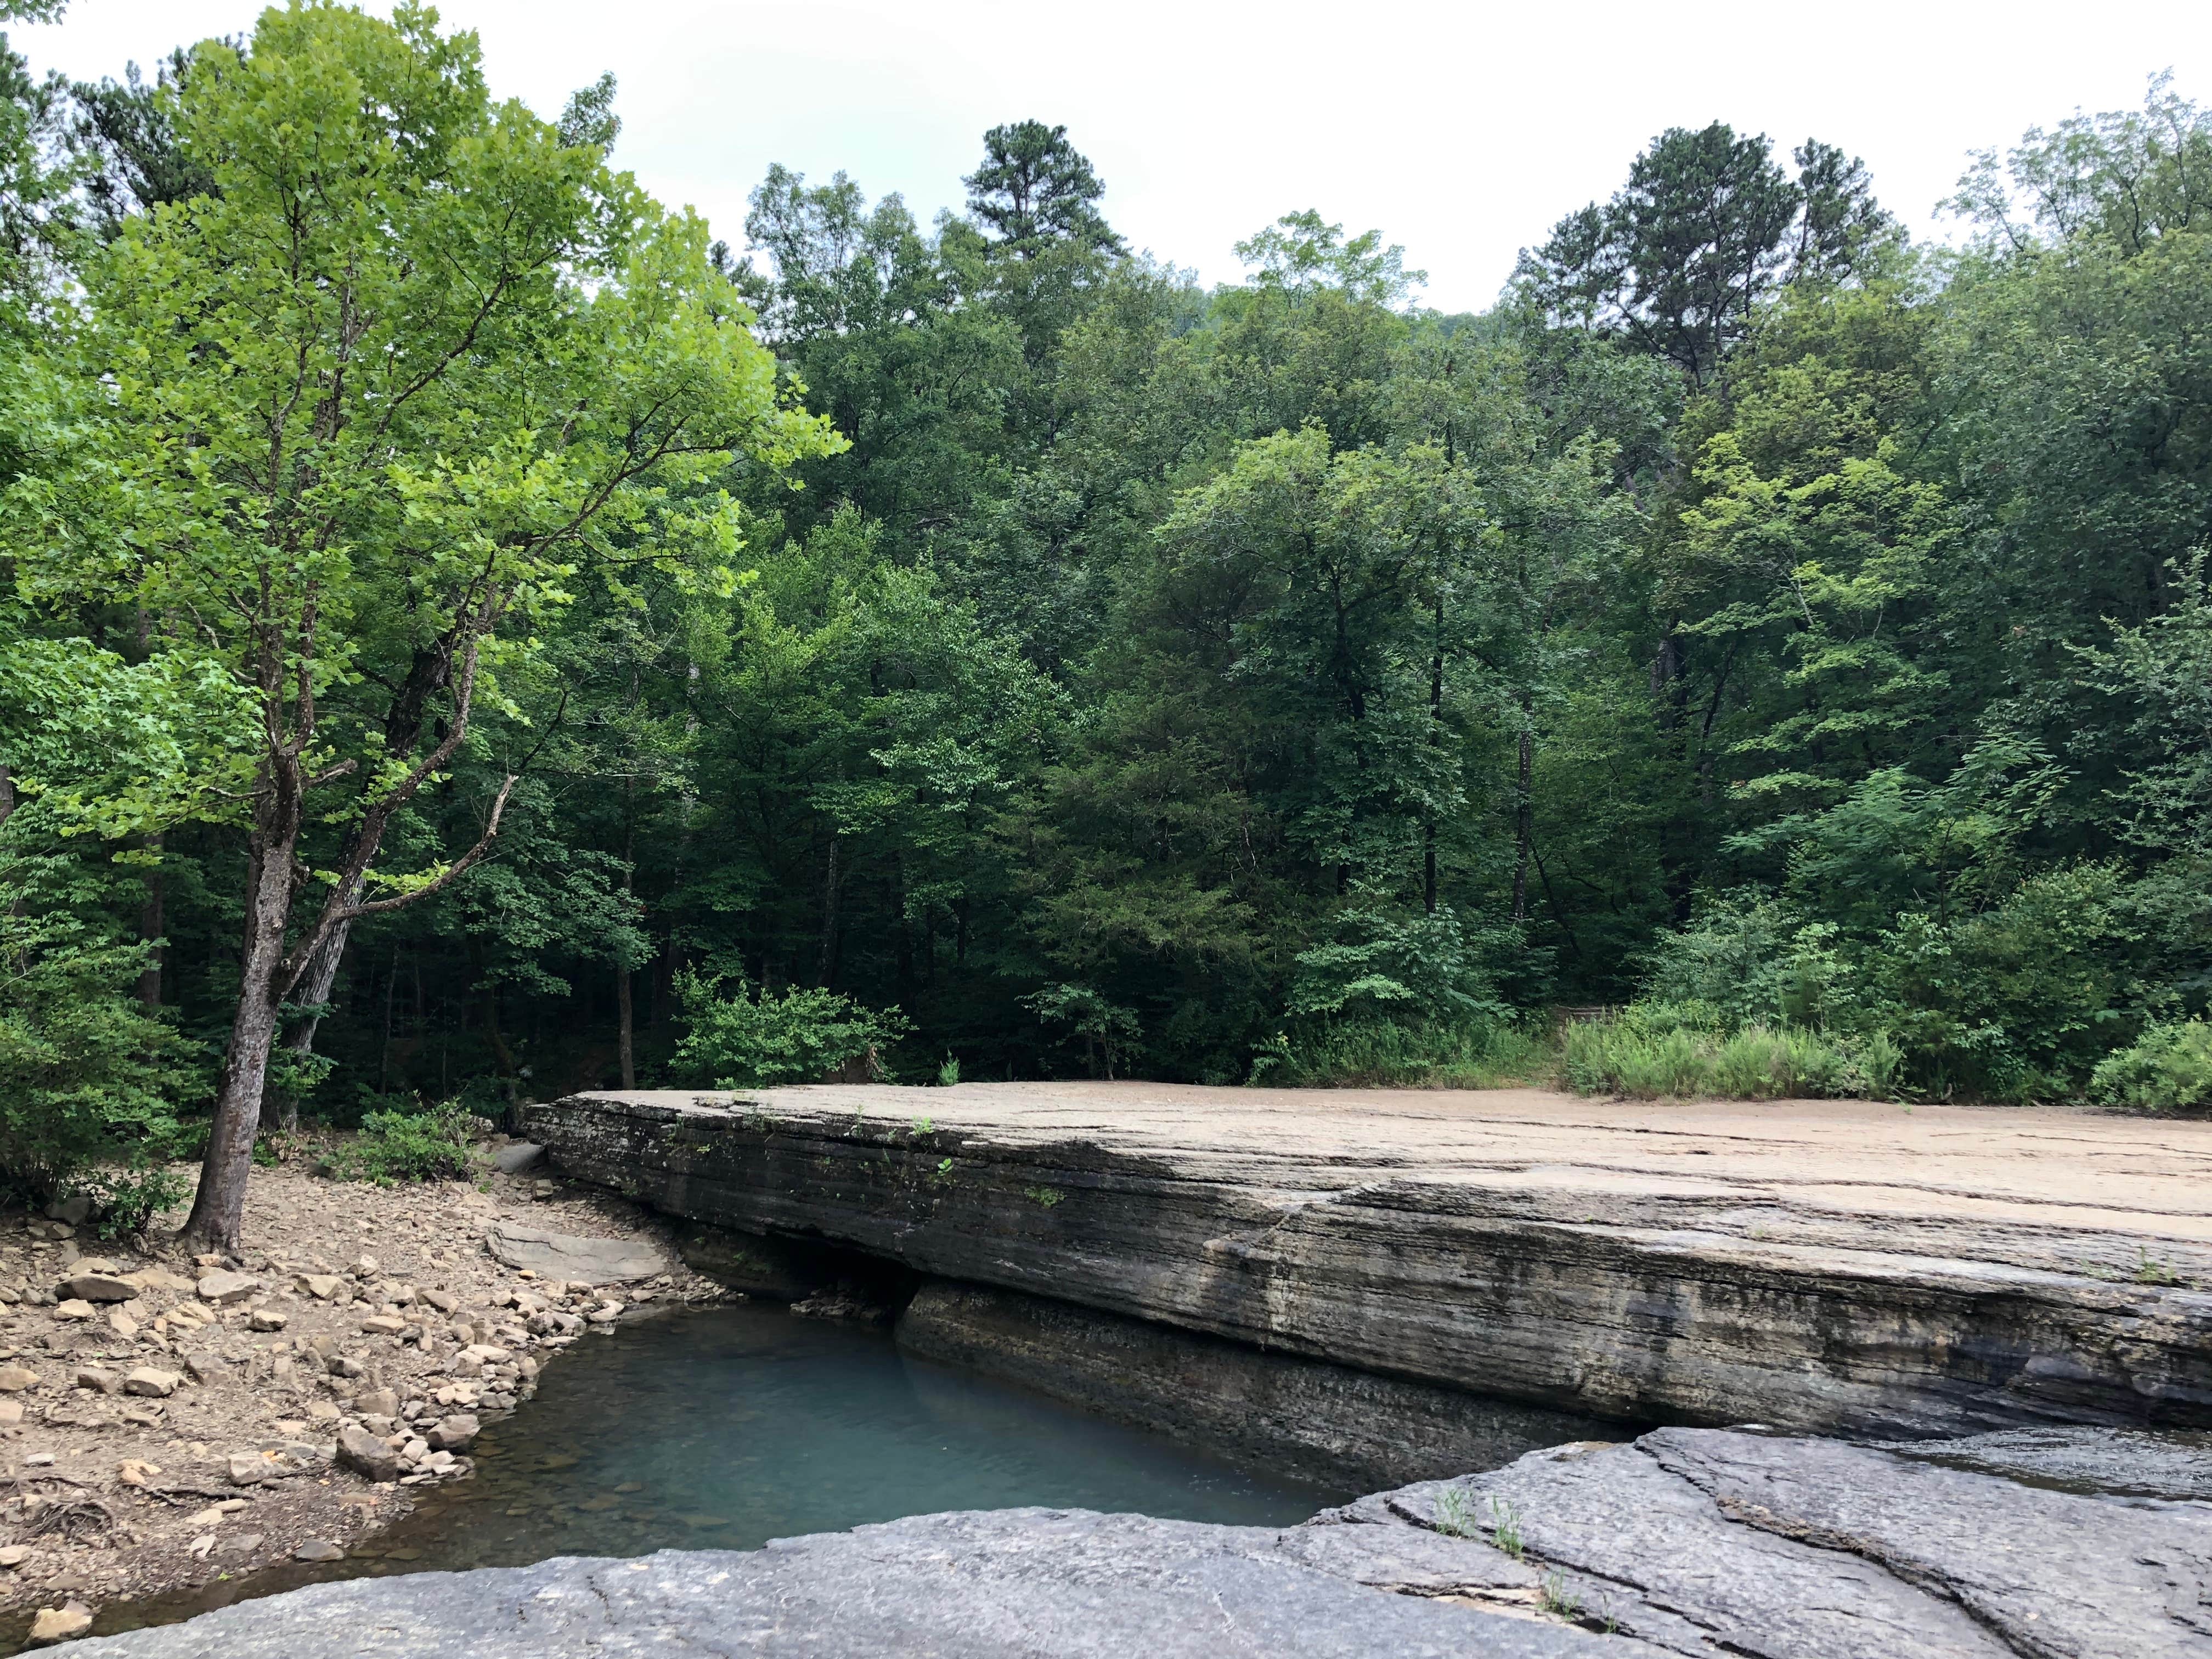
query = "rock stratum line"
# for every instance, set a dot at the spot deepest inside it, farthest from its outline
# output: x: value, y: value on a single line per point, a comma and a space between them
x: 1830, y: 1267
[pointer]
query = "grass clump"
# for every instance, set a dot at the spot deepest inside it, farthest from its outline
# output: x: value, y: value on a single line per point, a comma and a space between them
x: 1655, y: 1051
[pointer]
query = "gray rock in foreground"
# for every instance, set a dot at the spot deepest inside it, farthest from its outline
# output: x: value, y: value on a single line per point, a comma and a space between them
x: 1687, y: 1541
x: 1067, y: 1583
x: 567, y: 1256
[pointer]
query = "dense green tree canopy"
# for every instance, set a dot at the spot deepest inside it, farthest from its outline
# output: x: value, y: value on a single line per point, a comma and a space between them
x: 974, y: 648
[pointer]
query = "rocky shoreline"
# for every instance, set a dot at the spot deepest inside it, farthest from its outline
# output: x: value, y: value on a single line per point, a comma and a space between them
x: 1684, y: 1542
x: 169, y: 1422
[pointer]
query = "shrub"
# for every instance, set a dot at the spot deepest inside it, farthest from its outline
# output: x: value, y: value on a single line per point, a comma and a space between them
x: 398, y: 1145
x: 2167, y: 1069
x: 802, y: 1036
x: 88, y: 1078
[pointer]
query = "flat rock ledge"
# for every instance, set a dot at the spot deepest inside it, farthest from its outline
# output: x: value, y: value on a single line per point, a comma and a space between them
x: 1686, y: 1541
x: 1823, y: 1267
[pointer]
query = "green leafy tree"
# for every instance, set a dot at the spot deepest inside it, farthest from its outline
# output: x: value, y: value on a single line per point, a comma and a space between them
x: 377, y: 399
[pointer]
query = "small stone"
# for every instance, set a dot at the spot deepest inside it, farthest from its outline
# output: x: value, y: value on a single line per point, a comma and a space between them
x: 377, y: 1402
x: 444, y: 1301
x: 365, y: 1267
x: 245, y: 1544
x: 60, y: 1624
x: 383, y: 1325
x: 322, y: 1286
x: 146, y: 1380
x: 362, y: 1452
x: 39, y: 1460
x: 346, y: 1365
x: 270, y: 1319
x: 136, y: 1471
x: 224, y: 1287
x: 204, y: 1367
x: 14, y: 1555
x: 99, y: 1287
x: 209, y: 1516
x: 100, y: 1381
x: 122, y: 1324
x: 249, y: 1469
x: 145, y: 1416
x: 318, y: 1549
x: 73, y: 1309
x: 13, y: 1379
x: 75, y: 1209
x: 323, y: 1411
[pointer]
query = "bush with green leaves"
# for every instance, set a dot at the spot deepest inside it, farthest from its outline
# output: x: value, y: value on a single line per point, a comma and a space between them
x: 89, y: 1080
x: 2167, y: 1069
x: 1385, y: 1000
x: 753, y: 1039
x: 401, y: 1146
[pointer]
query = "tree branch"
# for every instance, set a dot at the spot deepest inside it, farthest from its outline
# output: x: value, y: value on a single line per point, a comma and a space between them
x: 400, y: 900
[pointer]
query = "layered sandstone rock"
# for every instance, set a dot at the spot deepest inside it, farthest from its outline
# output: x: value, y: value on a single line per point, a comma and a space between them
x: 1833, y: 1267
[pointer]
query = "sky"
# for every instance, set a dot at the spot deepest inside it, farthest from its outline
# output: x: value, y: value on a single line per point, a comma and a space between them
x: 1463, y: 131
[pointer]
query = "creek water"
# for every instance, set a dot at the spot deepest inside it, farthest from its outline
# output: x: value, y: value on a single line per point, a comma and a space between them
x: 722, y: 1428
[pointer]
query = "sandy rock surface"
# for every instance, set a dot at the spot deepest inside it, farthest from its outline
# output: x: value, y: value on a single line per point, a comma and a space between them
x: 166, y: 1420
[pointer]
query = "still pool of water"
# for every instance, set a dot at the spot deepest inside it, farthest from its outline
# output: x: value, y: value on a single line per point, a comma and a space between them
x: 723, y: 1428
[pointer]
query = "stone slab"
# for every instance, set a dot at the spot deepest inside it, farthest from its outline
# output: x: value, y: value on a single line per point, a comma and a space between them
x: 1685, y: 1542
x: 1836, y: 1266
x: 577, y: 1260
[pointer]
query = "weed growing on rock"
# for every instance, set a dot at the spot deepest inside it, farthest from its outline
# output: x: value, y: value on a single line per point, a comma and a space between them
x: 2150, y: 1270
x: 1045, y: 1197
x: 1454, y: 1516
x: 1505, y: 1526
x: 1554, y: 1597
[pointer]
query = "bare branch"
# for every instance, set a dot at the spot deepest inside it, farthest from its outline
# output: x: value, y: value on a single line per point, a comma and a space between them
x: 400, y: 900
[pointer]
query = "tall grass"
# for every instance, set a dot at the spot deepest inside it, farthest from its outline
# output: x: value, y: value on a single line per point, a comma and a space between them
x: 1354, y: 1054
x: 1665, y: 1052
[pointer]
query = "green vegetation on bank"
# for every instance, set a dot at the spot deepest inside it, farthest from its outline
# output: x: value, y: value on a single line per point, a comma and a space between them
x: 467, y: 633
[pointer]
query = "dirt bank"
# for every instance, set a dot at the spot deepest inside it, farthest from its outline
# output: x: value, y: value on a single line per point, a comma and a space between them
x: 179, y: 1426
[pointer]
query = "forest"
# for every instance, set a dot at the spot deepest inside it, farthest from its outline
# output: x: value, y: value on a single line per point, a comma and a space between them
x: 471, y: 634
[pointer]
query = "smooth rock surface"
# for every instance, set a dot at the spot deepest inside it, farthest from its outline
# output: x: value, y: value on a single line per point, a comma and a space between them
x: 566, y: 1256
x: 517, y: 1156
x: 1830, y: 1265
x: 1687, y: 1541
x: 2173, y: 1465
x: 1693, y: 1539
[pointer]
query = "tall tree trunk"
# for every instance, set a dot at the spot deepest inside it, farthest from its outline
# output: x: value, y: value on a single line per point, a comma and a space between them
x: 218, y: 1208
x: 1524, y: 816
x: 624, y: 1049
x: 149, y: 931
x: 384, y: 1053
x: 314, y: 993
x: 829, y: 961
x: 1436, y: 741
x: 7, y: 811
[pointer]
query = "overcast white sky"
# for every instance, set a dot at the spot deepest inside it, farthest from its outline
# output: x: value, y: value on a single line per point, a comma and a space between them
x: 1462, y: 131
